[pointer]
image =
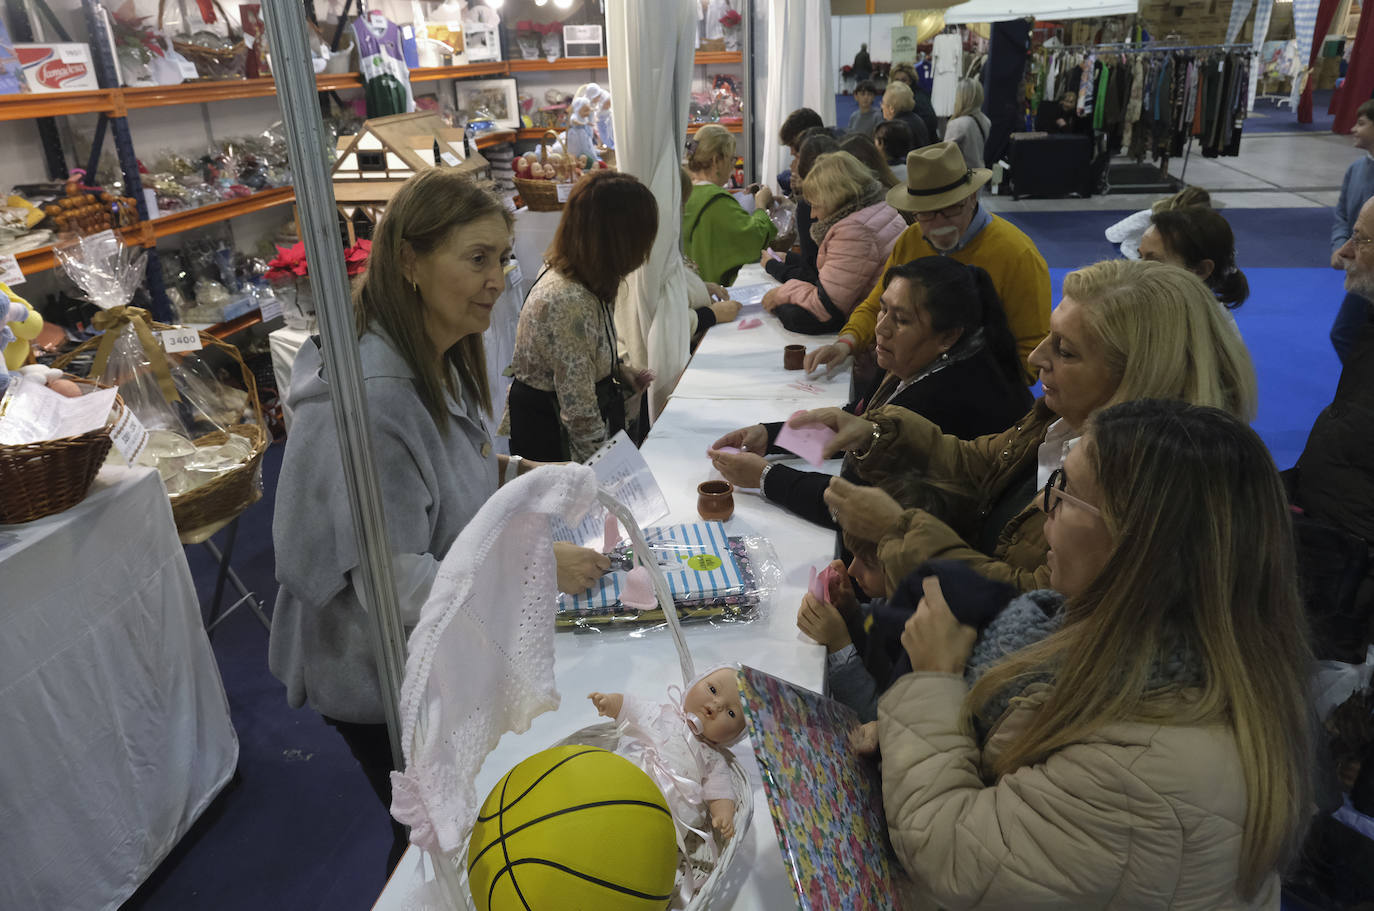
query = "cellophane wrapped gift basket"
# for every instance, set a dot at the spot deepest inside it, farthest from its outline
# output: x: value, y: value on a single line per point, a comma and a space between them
x: 206, y: 435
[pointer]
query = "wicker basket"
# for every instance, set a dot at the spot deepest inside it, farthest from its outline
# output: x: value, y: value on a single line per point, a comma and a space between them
x: 39, y: 479
x: 541, y: 195
x: 211, y: 62
x: 451, y: 870
x: 236, y: 489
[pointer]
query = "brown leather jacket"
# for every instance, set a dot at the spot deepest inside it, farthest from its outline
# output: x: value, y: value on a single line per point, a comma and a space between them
x: 977, y: 470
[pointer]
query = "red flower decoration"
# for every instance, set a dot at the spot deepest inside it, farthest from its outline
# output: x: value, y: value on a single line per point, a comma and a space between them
x: 730, y: 19
x: 290, y: 262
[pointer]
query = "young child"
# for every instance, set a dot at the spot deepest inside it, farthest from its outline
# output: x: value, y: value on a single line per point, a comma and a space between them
x: 1357, y: 187
x: 864, y: 641
x: 867, y: 117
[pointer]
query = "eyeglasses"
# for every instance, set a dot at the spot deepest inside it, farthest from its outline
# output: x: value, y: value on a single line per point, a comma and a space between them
x: 1055, y: 494
x: 953, y: 211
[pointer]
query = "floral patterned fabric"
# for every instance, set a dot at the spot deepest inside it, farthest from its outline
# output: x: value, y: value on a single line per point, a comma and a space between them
x: 563, y: 345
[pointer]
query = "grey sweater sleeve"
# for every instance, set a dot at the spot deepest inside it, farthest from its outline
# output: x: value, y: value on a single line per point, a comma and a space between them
x: 851, y: 683
x: 1340, y: 227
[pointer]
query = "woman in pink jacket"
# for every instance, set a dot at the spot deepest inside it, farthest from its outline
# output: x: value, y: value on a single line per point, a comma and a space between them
x: 855, y: 229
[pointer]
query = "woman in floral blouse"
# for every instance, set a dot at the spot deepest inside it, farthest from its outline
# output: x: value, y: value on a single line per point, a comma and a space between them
x: 569, y: 388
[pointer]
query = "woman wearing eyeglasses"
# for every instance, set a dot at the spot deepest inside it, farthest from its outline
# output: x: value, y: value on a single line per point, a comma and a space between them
x: 1154, y: 749
x: 1125, y: 330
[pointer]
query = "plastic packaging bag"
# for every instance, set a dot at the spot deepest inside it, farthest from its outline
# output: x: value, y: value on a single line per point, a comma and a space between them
x: 1335, y: 681
x: 784, y: 217
x: 715, y: 577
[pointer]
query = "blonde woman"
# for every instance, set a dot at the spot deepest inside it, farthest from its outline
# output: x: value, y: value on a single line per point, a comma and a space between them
x: 1154, y: 750
x: 1123, y: 331
x: 898, y: 102
x: 717, y: 234
x: 854, y: 230
x: 968, y: 126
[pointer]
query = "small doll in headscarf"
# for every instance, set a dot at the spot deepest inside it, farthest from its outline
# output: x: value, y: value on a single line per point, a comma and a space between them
x: 679, y: 744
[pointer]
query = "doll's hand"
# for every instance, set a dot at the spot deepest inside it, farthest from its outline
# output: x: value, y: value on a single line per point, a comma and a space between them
x: 723, y: 817
x: 864, y: 739
x: 607, y: 704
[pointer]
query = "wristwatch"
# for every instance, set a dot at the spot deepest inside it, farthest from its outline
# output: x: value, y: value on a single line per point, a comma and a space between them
x: 763, y: 477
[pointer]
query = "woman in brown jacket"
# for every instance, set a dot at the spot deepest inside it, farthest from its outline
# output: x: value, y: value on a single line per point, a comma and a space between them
x: 1125, y: 330
x: 1153, y: 751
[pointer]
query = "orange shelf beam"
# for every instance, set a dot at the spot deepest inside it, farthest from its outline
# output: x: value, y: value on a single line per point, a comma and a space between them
x: 562, y: 63
x: 189, y: 219
x: 57, y: 104
x: 464, y: 71
x: 706, y: 57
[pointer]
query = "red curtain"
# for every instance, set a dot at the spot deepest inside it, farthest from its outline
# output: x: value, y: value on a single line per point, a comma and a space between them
x: 1325, y: 13
x: 1359, y: 77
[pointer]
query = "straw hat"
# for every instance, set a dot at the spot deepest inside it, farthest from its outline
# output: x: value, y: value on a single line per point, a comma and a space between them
x: 936, y: 177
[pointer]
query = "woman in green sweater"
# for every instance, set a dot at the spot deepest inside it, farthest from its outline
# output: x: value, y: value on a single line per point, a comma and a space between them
x: 717, y: 234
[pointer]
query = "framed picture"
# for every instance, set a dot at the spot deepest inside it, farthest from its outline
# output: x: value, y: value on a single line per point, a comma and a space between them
x: 582, y: 41
x: 494, y: 99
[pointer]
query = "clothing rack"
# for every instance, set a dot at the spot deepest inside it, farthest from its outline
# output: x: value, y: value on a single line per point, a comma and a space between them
x: 1145, y: 48
x: 1136, y: 48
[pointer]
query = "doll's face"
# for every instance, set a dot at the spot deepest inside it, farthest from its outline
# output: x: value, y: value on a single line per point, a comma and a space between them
x: 715, y: 700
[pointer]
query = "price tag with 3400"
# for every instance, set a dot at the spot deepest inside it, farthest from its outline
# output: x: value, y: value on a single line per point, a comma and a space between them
x: 174, y: 340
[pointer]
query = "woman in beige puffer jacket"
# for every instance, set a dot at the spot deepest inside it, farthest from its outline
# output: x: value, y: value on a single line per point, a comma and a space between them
x: 1156, y: 749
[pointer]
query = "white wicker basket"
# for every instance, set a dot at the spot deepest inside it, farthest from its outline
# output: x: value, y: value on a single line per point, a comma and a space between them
x: 451, y: 870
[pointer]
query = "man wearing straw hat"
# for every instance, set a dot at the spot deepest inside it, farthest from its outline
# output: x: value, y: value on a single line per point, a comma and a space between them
x: 943, y: 194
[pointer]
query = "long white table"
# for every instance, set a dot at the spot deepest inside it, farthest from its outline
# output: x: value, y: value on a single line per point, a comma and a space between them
x: 116, y: 726
x: 736, y: 361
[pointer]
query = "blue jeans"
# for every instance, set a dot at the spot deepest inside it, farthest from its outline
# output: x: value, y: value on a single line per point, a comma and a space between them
x: 1350, y: 319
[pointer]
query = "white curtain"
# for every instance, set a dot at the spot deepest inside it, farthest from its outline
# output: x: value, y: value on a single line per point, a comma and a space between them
x: 800, y: 73
x: 650, y: 47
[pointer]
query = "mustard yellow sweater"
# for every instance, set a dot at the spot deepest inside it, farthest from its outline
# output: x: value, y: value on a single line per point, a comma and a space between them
x: 1018, y: 273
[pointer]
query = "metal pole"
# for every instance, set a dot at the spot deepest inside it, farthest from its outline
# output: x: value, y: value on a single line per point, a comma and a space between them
x: 310, y: 163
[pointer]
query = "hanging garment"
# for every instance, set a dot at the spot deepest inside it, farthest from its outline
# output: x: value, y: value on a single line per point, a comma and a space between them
x: 1133, y: 98
x: 1102, y: 76
x: 948, y: 55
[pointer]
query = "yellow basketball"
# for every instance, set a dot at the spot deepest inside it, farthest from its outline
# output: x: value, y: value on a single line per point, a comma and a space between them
x: 573, y: 828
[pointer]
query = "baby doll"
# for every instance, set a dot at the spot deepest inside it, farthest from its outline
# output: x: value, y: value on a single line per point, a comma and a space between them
x: 679, y: 745
x: 579, y: 137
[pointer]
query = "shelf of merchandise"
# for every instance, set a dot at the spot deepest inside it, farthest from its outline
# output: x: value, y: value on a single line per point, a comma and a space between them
x: 116, y: 102
x: 150, y: 232
x: 537, y: 132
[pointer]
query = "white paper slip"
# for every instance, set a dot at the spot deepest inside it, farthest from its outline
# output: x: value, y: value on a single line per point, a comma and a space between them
x: 180, y: 339
x: 750, y: 295
x: 33, y: 413
x: 621, y: 471
x: 129, y: 436
x: 10, y: 273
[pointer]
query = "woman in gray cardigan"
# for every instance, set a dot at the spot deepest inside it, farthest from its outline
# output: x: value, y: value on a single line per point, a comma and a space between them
x: 436, y: 271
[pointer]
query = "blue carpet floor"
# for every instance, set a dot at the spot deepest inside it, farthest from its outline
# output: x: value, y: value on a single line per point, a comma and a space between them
x: 299, y: 827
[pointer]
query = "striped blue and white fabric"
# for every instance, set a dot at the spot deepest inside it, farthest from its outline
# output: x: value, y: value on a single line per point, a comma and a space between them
x: 1239, y: 10
x: 695, y: 558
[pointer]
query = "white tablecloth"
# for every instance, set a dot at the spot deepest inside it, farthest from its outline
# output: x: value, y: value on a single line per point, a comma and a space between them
x: 116, y: 727
x: 645, y: 665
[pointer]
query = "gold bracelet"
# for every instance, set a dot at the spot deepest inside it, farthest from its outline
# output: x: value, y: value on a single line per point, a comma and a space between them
x: 872, y: 441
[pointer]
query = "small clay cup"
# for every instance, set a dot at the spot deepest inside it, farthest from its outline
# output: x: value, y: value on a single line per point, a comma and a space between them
x: 793, y: 356
x: 715, y: 500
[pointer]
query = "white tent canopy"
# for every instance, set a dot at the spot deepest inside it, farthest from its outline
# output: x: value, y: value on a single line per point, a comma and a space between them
x: 651, y: 48
x: 1044, y: 10
x: 799, y: 72
x: 995, y: 10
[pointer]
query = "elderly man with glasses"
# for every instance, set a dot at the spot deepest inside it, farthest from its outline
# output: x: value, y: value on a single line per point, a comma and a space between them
x: 943, y: 194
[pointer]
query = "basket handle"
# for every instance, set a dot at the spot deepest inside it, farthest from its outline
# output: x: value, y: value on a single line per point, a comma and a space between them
x: 548, y: 139
x: 665, y: 598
